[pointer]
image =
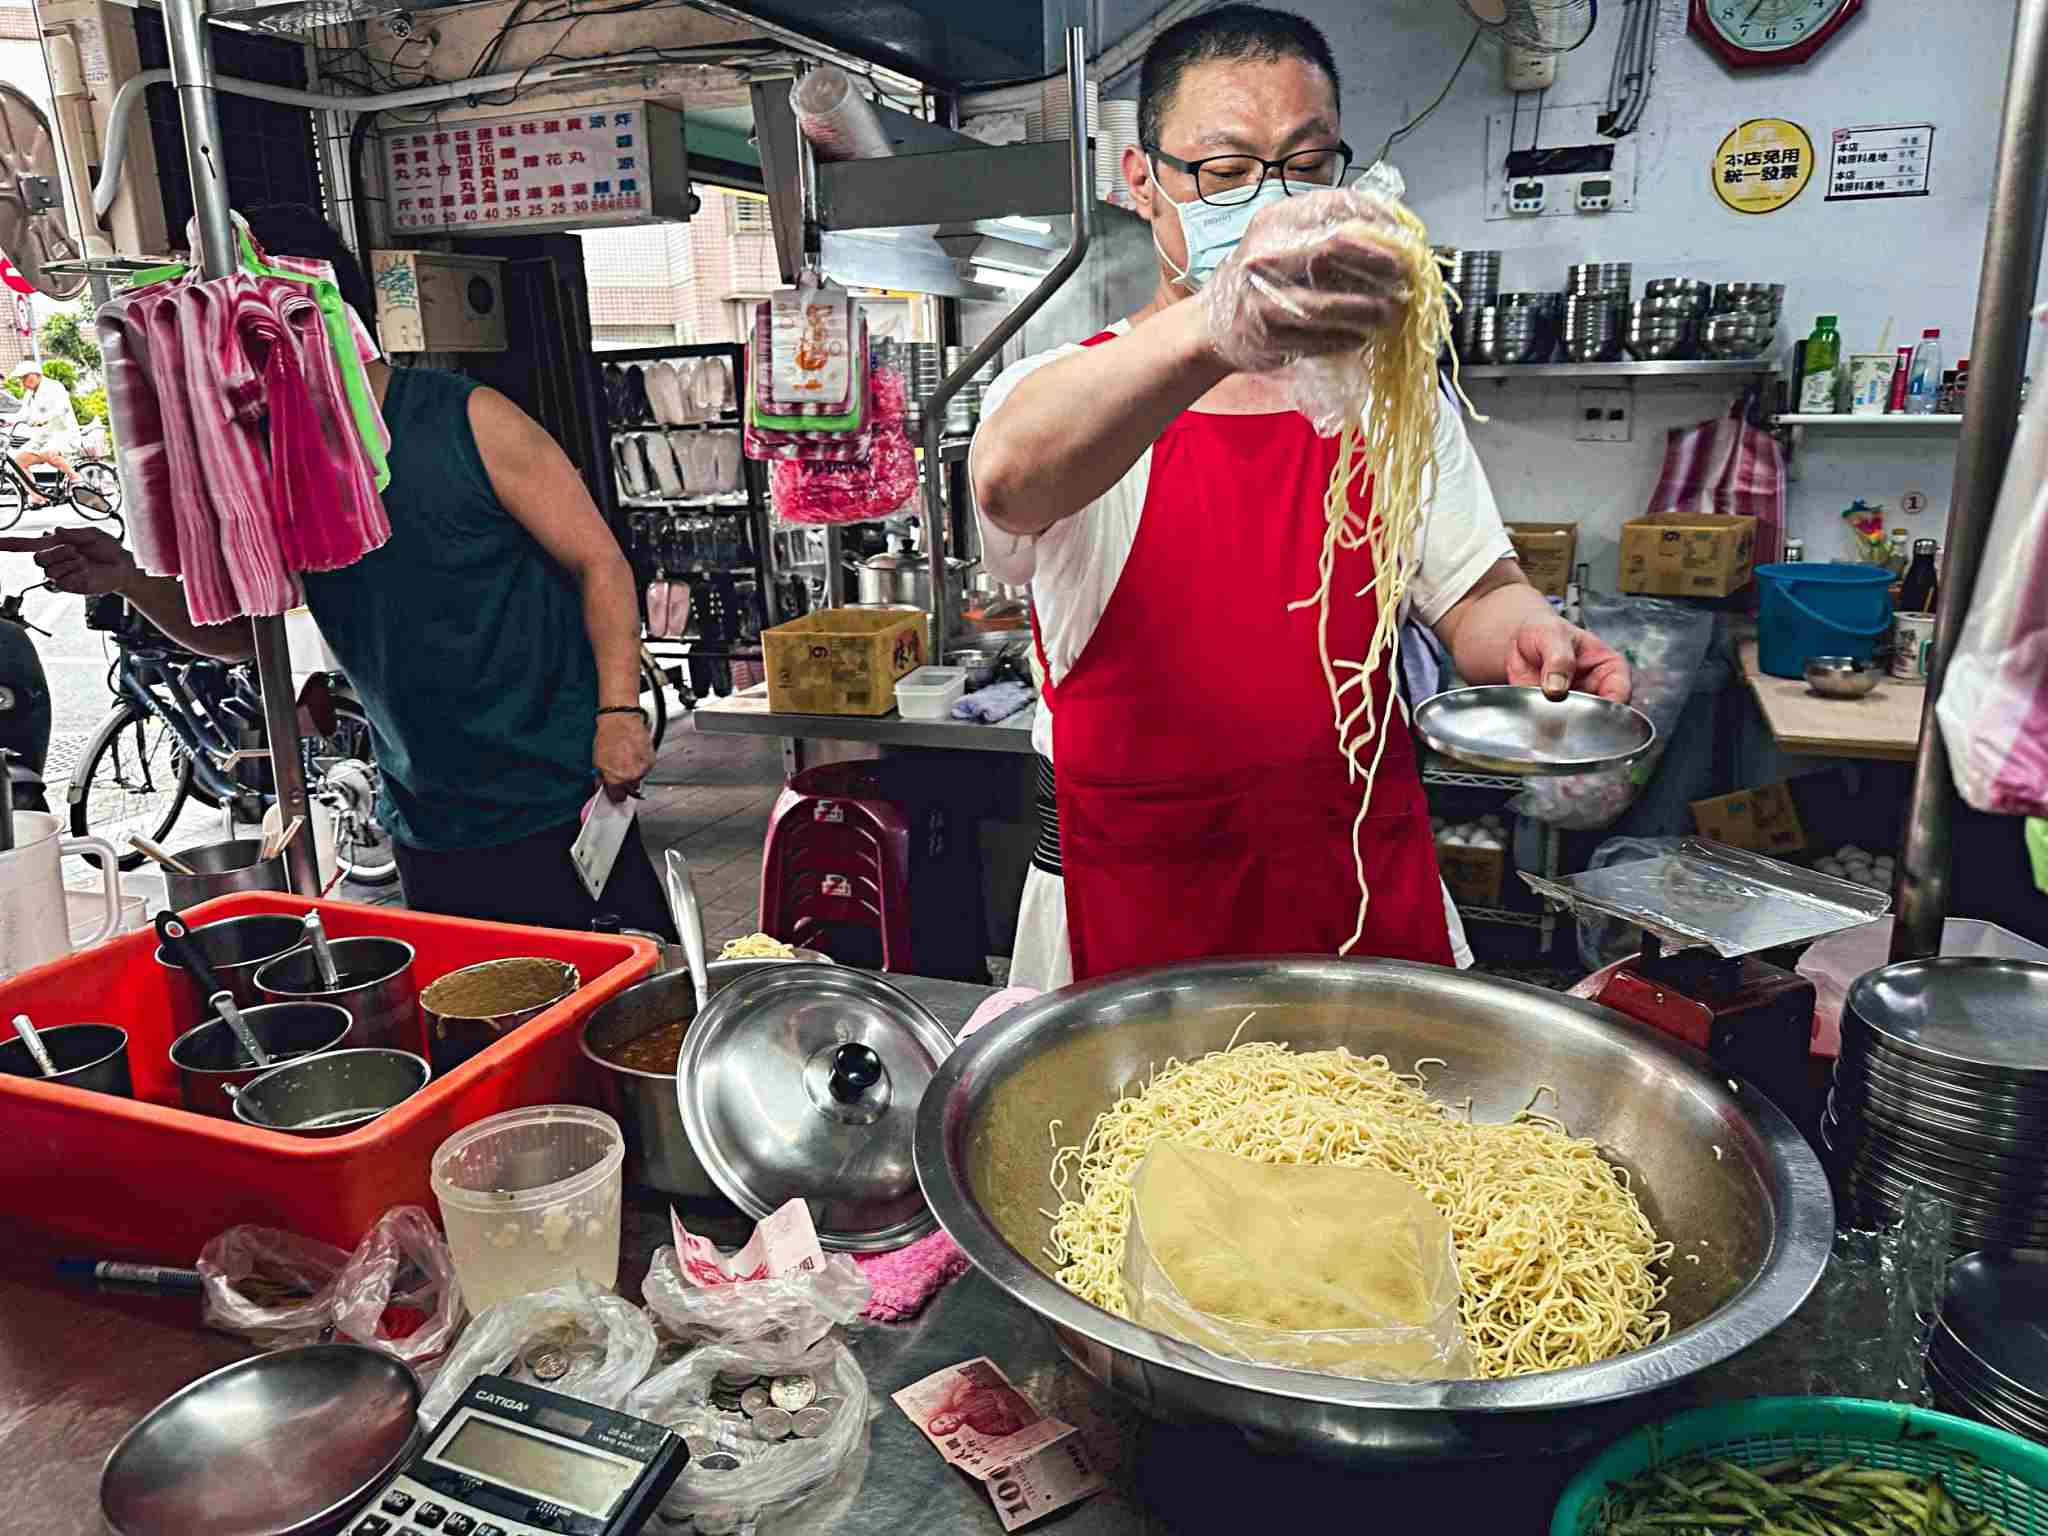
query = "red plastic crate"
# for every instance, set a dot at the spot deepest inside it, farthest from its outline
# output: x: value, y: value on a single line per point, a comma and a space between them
x: 145, y: 1177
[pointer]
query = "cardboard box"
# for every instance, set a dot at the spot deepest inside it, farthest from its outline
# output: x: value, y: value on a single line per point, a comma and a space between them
x: 1760, y: 820
x: 1546, y: 552
x: 1687, y: 554
x: 843, y: 661
x: 1473, y: 876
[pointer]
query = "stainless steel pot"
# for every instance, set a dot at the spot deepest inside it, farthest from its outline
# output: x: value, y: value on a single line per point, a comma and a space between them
x: 378, y: 989
x: 892, y: 578
x: 212, y: 1066
x: 1720, y: 1171
x: 460, y: 1022
x: 236, y: 948
x: 331, y: 1094
x: 220, y: 869
x: 90, y: 1056
x: 658, y: 1150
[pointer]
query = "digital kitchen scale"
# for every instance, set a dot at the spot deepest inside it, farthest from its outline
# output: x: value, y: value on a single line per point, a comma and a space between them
x: 1707, y: 911
x: 515, y: 1460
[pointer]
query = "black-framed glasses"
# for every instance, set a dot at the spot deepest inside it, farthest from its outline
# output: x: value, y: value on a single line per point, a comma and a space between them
x: 1230, y: 180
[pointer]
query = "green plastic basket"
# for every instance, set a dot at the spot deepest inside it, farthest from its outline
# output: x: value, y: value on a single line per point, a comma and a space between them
x: 1983, y: 1469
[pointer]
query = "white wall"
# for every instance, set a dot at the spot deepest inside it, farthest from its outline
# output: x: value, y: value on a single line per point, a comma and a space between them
x: 1914, y: 260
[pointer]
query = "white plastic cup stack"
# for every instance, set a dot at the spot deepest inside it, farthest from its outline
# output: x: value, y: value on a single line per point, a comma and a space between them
x: 1119, y: 131
x: 1052, y: 101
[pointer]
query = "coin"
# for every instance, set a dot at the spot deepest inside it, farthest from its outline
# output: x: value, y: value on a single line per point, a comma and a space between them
x: 829, y: 1404
x: 737, y: 1379
x: 809, y: 1423
x: 793, y: 1392
x: 720, y: 1461
x: 700, y: 1446
x: 547, y: 1362
x: 772, y: 1424
x: 753, y: 1400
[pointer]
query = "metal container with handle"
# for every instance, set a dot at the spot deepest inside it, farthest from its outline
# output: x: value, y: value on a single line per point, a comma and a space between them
x: 1720, y: 1171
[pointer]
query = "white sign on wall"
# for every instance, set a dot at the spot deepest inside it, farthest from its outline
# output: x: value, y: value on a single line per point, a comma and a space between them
x: 1880, y: 162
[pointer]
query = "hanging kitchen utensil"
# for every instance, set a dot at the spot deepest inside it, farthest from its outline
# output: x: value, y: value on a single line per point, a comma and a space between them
x: 29, y: 1038
x: 689, y: 921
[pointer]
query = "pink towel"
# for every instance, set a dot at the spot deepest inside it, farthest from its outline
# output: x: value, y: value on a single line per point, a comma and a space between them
x: 905, y: 1280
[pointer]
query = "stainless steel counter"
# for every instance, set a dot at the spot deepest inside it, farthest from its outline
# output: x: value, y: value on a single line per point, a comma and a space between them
x: 747, y: 714
x: 77, y: 1367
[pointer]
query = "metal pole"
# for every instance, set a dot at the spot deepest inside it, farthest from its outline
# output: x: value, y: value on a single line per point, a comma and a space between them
x: 1082, y: 193
x: 1998, y: 357
x: 192, y: 72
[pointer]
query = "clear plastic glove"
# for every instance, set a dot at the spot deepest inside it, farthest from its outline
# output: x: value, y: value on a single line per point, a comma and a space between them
x: 1313, y: 275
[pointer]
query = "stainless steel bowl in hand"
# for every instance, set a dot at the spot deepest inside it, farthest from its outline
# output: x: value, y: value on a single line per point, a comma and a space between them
x: 1720, y: 1171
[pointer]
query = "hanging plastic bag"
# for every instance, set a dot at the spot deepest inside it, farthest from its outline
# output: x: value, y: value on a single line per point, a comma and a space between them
x: 1666, y: 644
x: 577, y: 1339
x: 1993, y: 707
x: 1348, y: 1271
x: 737, y: 1471
x: 397, y: 1292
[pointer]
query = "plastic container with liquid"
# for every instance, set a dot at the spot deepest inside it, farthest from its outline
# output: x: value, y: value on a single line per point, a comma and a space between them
x: 530, y: 1199
x: 1923, y: 380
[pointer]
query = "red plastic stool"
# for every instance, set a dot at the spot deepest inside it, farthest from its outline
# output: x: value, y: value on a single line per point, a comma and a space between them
x: 838, y: 854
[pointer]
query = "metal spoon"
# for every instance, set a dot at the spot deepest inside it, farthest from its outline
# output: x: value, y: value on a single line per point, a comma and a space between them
x: 223, y: 1003
x: 35, y: 1045
x: 682, y: 906
x: 323, y: 955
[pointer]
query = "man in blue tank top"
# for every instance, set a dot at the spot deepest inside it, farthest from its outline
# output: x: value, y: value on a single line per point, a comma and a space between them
x: 494, y: 642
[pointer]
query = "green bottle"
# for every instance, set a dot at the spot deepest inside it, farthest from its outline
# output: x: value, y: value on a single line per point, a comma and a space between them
x: 1819, y: 386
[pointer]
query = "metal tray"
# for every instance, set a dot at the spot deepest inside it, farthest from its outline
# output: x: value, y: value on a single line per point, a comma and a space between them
x: 1507, y: 729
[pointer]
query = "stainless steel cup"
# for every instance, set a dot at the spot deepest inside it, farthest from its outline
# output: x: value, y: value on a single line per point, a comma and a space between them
x: 211, y: 1063
x: 331, y: 1094
x: 90, y: 1056
x: 456, y: 1021
x: 378, y: 990
x: 221, y: 869
x: 236, y: 948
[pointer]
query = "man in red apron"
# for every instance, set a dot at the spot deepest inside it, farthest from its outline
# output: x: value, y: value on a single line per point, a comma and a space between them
x: 1165, y: 500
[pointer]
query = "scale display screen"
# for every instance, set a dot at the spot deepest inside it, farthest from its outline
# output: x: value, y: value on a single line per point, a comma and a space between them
x: 512, y: 1458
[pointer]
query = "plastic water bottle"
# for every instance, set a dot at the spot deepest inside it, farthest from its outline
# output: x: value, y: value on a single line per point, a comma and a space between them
x: 1924, y: 381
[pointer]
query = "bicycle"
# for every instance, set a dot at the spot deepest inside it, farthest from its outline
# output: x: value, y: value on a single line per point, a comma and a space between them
x: 186, y: 727
x: 96, y: 494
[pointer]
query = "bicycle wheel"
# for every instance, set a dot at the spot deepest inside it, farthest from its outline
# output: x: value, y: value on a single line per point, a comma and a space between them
x: 362, y: 849
x: 12, y: 502
x: 653, y: 680
x: 99, y: 476
x: 133, y: 777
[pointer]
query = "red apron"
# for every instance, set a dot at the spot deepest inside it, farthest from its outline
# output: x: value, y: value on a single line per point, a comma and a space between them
x: 1204, y: 807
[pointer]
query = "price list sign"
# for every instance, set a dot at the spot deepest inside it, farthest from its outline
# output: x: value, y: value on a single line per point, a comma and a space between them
x: 567, y: 166
x: 1880, y: 162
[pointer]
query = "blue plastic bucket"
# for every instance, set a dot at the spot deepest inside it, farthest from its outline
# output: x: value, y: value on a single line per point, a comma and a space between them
x: 1819, y: 610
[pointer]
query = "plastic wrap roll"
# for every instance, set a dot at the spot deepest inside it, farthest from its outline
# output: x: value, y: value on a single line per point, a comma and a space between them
x: 840, y: 122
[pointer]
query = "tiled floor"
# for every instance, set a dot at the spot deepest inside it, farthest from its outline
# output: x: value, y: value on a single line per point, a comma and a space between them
x: 710, y: 797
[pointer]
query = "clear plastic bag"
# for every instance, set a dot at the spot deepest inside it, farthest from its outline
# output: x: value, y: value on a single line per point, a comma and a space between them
x: 841, y: 123
x: 1603, y: 939
x: 722, y: 1497
x: 795, y: 1309
x: 608, y: 1343
x: 1666, y: 643
x: 1348, y: 1271
x: 397, y: 1292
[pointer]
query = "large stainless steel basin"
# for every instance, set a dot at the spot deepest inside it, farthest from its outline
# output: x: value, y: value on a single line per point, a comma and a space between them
x: 1757, y: 1213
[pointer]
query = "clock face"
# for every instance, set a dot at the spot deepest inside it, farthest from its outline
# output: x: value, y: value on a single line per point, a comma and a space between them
x: 1749, y: 33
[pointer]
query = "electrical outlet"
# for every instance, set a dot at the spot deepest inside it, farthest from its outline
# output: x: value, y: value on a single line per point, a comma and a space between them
x: 1605, y: 415
x: 1527, y: 69
x: 1526, y: 197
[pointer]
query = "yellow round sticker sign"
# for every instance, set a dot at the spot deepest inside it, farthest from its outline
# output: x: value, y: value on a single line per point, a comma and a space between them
x: 1763, y: 165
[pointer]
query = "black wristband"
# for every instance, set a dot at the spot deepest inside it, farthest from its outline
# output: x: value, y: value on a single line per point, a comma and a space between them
x: 623, y: 709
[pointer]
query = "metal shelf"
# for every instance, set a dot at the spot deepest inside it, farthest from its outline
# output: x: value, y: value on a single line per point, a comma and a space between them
x: 1451, y: 778
x: 1877, y: 426
x: 1503, y: 916
x: 1702, y: 368
x: 724, y: 423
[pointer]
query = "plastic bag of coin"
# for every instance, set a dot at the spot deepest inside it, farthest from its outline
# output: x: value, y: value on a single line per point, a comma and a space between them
x: 1348, y: 1271
x: 604, y: 1343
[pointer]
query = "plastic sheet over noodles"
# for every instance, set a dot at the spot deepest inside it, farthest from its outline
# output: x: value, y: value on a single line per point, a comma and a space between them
x: 620, y: 1347
x: 769, y: 1475
x: 795, y: 1309
x: 397, y: 1292
x: 1347, y: 1271
x: 1706, y: 893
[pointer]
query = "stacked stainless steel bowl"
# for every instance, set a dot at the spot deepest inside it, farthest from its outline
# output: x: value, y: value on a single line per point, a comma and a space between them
x: 1475, y: 275
x: 1988, y: 1355
x: 1664, y: 323
x: 1942, y: 1084
x: 1510, y: 335
x: 1595, y: 310
x: 1744, y: 319
x: 1547, y: 309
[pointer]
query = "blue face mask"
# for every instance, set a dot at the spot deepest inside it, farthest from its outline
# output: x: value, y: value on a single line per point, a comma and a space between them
x: 1211, y: 232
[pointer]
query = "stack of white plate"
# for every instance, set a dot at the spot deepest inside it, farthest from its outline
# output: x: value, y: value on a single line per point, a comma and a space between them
x: 1988, y: 1355
x: 1057, y: 117
x: 1942, y: 1085
x: 1034, y: 125
x: 1119, y: 131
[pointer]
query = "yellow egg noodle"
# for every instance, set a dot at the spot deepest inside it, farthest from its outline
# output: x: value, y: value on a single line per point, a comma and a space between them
x: 1557, y: 1262
x: 756, y: 946
x: 1393, y: 445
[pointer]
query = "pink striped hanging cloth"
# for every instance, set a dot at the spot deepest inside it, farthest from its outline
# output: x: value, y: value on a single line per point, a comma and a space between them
x: 141, y: 456
x: 209, y: 589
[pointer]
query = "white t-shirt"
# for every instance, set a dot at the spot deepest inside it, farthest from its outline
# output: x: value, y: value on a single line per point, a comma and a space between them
x: 1074, y: 566
x: 50, y: 418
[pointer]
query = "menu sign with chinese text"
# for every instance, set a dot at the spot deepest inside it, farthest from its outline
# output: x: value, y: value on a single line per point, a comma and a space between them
x: 1880, y: 162
x: 609, y: 163
x: 1763, y: 165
